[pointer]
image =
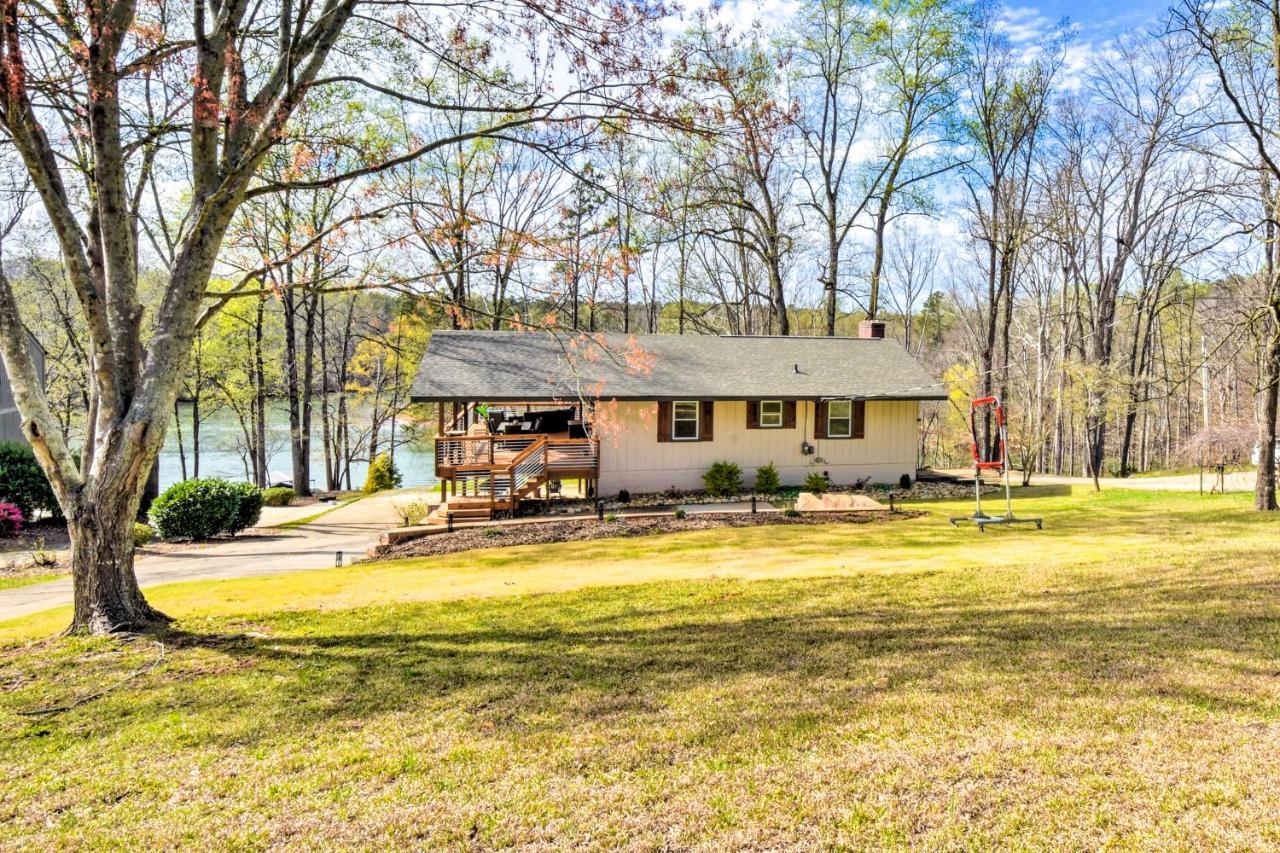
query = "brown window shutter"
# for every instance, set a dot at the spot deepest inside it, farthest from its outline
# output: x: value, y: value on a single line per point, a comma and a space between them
x: 859, y: 419
x: 753, y: 414
x: 820, y: 419
x: 664, y: 421
x: 789, y: 414
x: 708, y: 409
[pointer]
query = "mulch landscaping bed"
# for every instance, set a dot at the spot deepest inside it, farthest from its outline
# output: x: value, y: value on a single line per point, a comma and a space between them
x: 919, y: 491
x: 581, y: 530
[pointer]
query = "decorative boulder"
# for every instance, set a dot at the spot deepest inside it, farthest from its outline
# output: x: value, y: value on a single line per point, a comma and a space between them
x: 809, y: 502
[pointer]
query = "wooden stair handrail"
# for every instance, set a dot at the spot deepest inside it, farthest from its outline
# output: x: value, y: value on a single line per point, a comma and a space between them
x: 538, y: 443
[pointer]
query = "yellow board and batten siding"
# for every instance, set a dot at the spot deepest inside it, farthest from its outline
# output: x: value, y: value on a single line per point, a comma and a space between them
x: 632, y: 458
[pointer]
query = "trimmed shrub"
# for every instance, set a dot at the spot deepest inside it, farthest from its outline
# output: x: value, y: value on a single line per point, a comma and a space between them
x: 767, y: 480
x: 791, y: 512
x: 382, y: 475
x: 142, y: 534
x: 278, y: 496
x: 679, y: 513
x: 10, y: 519
x: 904, y: 482
x: 196, y: 509
x: 22, y: 483
x: 816, y: 483
x: 249, y: 509
x: 723, y: 479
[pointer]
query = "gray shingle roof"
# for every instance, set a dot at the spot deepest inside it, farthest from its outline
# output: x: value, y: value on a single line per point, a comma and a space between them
x: 510, y: 366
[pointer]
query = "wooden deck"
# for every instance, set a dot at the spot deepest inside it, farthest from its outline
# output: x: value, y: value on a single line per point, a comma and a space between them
x: 483, y: 474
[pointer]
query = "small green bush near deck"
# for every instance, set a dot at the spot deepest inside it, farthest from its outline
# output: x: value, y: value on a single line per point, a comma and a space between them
x: 412, y: 513
x: 22, y: 483
x: 383, y: 475
x: 723, y: 479
x: 767, y: 480
x: 815, y: 483
x: 679, y: 513
x: 278, y: 496
x: 198, y: 509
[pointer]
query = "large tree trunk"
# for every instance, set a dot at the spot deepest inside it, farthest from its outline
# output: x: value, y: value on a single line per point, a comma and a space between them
x: 1265, y: 487
x: 107, y: 596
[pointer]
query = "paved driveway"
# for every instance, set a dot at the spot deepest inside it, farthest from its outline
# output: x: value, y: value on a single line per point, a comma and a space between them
x: 351, y: 529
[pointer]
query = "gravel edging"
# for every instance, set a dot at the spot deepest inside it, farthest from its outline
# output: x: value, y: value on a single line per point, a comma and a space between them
x: 582, y: 530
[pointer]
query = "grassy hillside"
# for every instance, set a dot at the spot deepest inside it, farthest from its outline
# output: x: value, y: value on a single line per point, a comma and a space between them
x: 1114, y: 679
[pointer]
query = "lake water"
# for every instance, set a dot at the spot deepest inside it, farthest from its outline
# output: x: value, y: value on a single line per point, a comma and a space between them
x: 222, y: 451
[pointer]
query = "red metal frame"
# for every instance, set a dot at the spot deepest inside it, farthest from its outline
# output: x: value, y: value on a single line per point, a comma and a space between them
x: 978, y: 461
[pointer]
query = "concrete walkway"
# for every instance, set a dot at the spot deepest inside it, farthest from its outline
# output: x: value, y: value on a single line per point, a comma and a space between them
x: 351, y: 529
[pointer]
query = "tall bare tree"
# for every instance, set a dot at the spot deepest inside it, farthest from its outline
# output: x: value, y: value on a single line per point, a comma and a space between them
x: 1240, y: 42
x: 100, y: 96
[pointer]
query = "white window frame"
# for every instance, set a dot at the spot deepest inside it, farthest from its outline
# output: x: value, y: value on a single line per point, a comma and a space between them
x: 781, y: 414
x: 832, y: 417
x: 696, y: 420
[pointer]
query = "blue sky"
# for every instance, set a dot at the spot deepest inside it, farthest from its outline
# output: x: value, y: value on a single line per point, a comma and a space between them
x: 1096, y: 18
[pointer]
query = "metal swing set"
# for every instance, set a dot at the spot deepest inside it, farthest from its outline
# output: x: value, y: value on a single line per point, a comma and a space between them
x: 1000, y: 465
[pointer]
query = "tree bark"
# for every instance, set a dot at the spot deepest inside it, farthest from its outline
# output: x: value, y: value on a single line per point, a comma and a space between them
x: 107, y: 597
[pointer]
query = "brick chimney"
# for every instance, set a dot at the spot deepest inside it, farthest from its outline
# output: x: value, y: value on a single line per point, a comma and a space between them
x: 871, y: 329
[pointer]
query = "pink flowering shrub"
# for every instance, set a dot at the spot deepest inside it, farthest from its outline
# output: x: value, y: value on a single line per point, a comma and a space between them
x: 10, y: 519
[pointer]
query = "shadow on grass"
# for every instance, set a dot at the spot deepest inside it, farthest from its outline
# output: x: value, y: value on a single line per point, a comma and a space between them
x: 550, y: 661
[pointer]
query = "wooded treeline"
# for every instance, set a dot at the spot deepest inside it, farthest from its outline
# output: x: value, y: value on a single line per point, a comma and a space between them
x: 1079, y: 240
x: 281, y: 200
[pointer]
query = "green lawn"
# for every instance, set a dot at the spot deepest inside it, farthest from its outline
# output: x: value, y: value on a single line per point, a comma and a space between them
x: 13, y: 581
x: 1111, y: 681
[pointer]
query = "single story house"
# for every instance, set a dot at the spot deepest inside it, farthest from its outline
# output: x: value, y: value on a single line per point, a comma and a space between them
x: 10, y: 418
x: 645, y: 413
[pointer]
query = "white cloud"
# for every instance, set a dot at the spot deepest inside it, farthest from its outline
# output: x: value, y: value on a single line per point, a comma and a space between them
x: 1021, y: 24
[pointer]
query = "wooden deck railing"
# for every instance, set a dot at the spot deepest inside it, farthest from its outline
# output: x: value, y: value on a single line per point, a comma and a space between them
x: 505, y: 469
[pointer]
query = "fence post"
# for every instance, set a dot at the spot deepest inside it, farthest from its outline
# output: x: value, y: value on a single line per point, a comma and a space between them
x: 753, y: 504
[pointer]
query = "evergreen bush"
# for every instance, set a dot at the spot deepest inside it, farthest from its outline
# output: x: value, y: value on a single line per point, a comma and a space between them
x: 382, y: 475
x: 249, y: 509
x: 723, y: 479
x: 767, y: 480
x: 142, y: 534
x: 815, y: 483
x: 196, y: 509
x: 22, y: 483
x: 278, y: 496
